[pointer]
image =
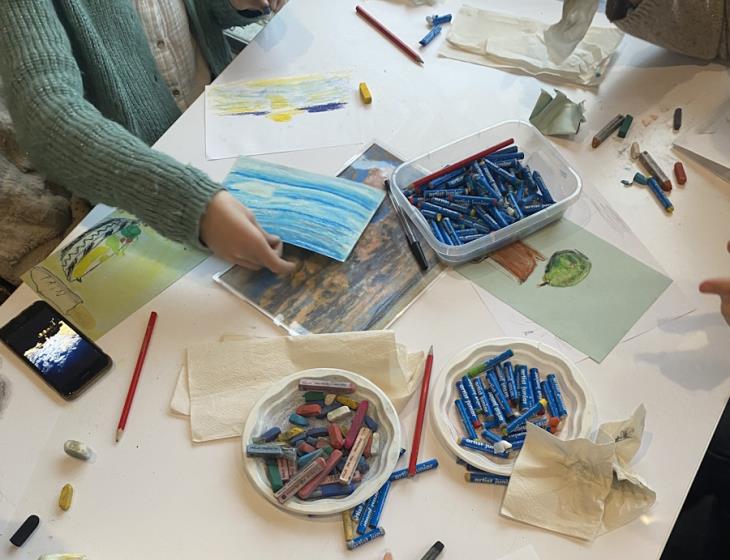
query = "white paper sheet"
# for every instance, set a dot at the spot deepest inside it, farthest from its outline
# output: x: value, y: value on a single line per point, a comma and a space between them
x: 506, y: 41
x: 310, y: 126
x: 710, y: 139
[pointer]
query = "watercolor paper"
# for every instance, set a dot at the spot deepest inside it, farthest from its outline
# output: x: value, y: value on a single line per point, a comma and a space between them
x: 323, y: 214
x: 281, y: 115
x: 107, y: 273
x: 368, y: 291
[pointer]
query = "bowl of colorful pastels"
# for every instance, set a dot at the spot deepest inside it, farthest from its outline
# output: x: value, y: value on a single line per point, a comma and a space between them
x: 487, y: 393
x: 321, y: 441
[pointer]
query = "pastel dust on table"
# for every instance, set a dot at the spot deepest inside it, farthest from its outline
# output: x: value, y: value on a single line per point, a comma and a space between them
x: 282, y: 99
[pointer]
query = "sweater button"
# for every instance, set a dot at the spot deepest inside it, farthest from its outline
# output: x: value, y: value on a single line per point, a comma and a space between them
x: 160, y: 44
x: 176, y: 92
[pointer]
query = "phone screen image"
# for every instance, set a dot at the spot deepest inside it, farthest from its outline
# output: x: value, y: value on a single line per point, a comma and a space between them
x: 62, y: 356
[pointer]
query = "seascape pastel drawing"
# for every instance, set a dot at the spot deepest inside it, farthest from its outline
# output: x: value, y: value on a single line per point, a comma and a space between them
x: 324, y: 214
x: 282, y: 99
x: 368, y: 291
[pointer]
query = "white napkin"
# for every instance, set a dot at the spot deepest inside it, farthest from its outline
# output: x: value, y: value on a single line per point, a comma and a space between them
x: 225, y: 379
x: 506, y: 41
x: 578, y: 487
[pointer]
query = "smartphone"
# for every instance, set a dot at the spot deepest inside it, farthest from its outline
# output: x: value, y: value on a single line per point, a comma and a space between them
x: 60, y: 353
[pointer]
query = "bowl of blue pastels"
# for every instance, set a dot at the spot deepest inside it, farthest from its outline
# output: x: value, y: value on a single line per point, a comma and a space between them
x: 484, y: 397
x: 321, y: 441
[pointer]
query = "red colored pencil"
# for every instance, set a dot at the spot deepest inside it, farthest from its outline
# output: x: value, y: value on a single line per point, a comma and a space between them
x: 389, y: 34
x: 462, y: 163
x: 421, y: 413
x: 135, y: 376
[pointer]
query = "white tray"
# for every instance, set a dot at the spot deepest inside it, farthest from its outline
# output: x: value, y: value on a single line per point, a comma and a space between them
x: 274, y: 408
x: 447, y: 423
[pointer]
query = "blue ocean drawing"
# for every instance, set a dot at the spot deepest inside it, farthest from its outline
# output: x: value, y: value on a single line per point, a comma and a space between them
x: 324, y: 214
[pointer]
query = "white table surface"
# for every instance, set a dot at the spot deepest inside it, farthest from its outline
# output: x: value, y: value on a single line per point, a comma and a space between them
x: 156, y: 495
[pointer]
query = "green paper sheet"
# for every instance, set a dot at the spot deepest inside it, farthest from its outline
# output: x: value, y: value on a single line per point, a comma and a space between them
x: 592, y: 315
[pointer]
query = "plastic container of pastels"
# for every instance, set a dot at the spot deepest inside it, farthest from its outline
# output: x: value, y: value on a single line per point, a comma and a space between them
x: 294, y: 429
x: 488, y: 202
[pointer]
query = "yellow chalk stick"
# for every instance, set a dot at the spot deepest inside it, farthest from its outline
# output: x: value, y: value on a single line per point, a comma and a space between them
x: 365, y: 94
x: 67, y: 494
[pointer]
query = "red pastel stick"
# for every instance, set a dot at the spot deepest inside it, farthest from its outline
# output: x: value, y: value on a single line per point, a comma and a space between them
x: 389, y: 34
x: 421, y: 413
x: 462, y: 163
x: 362, y: 410
x: 135, y: 377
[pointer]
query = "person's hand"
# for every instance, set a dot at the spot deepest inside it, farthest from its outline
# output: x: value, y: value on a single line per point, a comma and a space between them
x: 720, y: 287
x: 230, y: 230
x: 258, y: 5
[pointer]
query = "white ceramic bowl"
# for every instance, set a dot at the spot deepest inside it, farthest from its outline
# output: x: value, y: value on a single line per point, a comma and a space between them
x: 280, y: 400
x: 447, y: 423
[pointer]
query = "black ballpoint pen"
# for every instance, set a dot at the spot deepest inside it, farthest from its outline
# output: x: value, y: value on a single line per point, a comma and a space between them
x: 413, y: 243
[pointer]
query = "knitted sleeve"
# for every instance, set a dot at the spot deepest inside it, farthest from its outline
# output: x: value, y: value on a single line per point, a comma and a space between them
x: 696, y: 28
x: 74, y: 145
x: 226, y: 15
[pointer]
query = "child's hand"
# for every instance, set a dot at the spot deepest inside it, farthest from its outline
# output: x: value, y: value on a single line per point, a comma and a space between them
x: 721, y: 287
x: 230, y: 230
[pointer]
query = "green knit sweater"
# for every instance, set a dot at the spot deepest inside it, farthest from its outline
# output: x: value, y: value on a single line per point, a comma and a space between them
x: 87, y: 101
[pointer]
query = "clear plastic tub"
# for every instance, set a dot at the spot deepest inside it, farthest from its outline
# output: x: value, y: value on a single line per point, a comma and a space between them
x: 561, y: 179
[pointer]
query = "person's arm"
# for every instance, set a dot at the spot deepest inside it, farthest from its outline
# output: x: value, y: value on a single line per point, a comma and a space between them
x: 72, y: 144
x: 698, y: 28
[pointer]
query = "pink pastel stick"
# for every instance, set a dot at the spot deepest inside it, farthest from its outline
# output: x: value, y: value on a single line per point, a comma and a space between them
x: 312, y: 485
x: 357, y: 421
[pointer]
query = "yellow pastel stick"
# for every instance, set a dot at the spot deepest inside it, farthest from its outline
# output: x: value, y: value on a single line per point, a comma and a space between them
x: 365, y: 94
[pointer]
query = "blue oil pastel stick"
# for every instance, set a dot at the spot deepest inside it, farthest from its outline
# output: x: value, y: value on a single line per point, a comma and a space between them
x: 534, y: 374
x: 420, y: 467
x: 524, y: 388
x: 470, y: 431
x: 487, y: 410
x: 382, y: 495
x: 509, y: 375
x: 471, y: 393
x: 467, y: 404
x: 496, y: 388
x: 366, y: 538
x: 525, y: 416
x: 486, y: 478
x: 480, y: 446
x: 367, y: 513
x: 548, y: 392
x: 557, y: 394
x: 498, y: 414
x: 546, y: 196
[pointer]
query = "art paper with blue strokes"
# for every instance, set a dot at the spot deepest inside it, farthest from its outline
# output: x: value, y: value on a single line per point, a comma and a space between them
x: 323, y: 214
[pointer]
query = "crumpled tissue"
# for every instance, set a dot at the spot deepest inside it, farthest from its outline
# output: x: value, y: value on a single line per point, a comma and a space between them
x: 579, y: 487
